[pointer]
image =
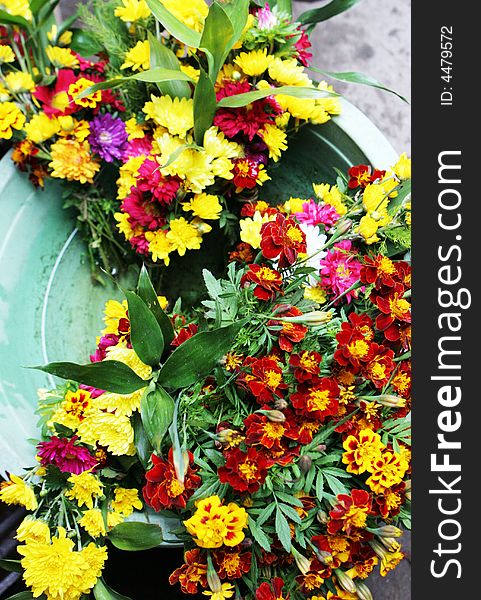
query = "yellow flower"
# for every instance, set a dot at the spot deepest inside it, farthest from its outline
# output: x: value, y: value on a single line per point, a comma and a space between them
x: 389, y: 561
x: 93, y: 522
x: 226, y: 591
x: 78, y: 87
x: 191, y: 72
x: 205, y: 206
x: 62, y: 57
x: 175, y: 114
x: 125, y: 500
x: 299, y: 108
x: 128, y: 176
x: 402, y: 169
x: 6, y: 54
x: 362, y: 451
x: 254, y: 63
x: 4, y: 94
x: 316, y: 294
x: 159, y: 246
x: 11, y: 117
x: 129, y: 358
x: 120, y: 404
x: 368, y: 229
x: 190, y: 12
x: 220, y: 151
x: 275, y: 139
x: 73, y: 410
x: 250, y: 229
x: 17, y: 8
x: 114, y: 519
x: 33, y: 530
x: 80, y: 130
x: 330, y: 195
x: 72, y: 160
x: 183, y: 236
x: 375, y: 199
x: 387, y: 470
x: 55, y: 569
x: 134, y: 130
x: 110, y: 430
x: 288, y: 72
x: 293, y: 205
x: 214, y: 524
x: 132, y: 10
x: 64, y: 40
x: 18, y: 81
x: 138, y: 57
x: 16, y: 491
x: 114, y: 311
x: 41, y: 128
x: 85, y: 487
x: 125, y: 227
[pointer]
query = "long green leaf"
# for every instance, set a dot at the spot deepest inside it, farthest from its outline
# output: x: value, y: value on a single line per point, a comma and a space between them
x: 359, y: 78
x: 179, y: 30
x: 102, y: 592
x: 110, y: 375
x: 145, y: 333
x: 259, y: 535
x: 316, y: 15
x: 8, y: 19
x: 161, y: 56
x: 157, y: 411
x: 24, y: 596
x: 13, y: 566
x: 283, y: 531
x: 216, y: 37
x: 287, y: 90
x: 141, y: 441
x: 146, y: 291
x: 204, y: 106
x: 134, y: 536
x: 84, y: 43
x: 403, y: 192
x: 238, y: 13
x: 196, y: 357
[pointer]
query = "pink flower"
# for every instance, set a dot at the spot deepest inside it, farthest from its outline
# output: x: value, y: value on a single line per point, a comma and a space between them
x: 317, y: 214
x: 266, y: 19
x: 137, y: 147
x: 340, y: 270
x: 302, y: 46
x: 105, y: 342
x: 140, y: 244
x: 66, y: 455
x: 151, y: 180
x: 141, y: 212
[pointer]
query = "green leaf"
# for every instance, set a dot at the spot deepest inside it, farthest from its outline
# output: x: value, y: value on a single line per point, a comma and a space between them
x: 360, y: 78
x: 12, y: 566
x: 176, y: 28
x: 290, y: 512
x: 316, y: 15
x: 157, y: 411
x: 288, y: 90
x: 141, y: 441
x: 24, y: 596
x: 266, y: 513
x: 204, y: 106
x: 36, y: 5
x: 176, y: 153
x: 145, y: 333
x: 160, y: 74
x: 336, y: 486
x: 193, y: 360
x: 161, y: 56
x: 283, y: 530
x: 146, y: 291
x: 103, y: 592
x: 103, y: 85
x: 238, y: 13
x: 289, y: 499
x: 8, y: 19
x: 110, y: 375
x: 319, y: 486
x: 216, y: 36
x: 84, y: 43
x: 133, y: 536
x: 396, y: 203
x: 259, y: 536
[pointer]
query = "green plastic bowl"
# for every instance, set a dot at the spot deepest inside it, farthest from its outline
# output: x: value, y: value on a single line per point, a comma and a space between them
x: 49, y: 308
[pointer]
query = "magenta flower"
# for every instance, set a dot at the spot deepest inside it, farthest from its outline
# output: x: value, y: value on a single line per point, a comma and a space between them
x: 302, y: 46
x: 340, y: 270
x: 138, y: 147
x: 105, y: 342
x: 141, y: 212
x: 108, y: 137
x: 150, y: 179
x: 266, y: 19
x: 66, y: 455
x: 317, y: 214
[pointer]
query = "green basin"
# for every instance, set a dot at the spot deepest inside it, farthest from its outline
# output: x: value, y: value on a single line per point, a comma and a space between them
x: 50, y: 309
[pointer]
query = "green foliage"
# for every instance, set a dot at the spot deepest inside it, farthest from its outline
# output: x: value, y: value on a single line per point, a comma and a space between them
x: 133, y: 536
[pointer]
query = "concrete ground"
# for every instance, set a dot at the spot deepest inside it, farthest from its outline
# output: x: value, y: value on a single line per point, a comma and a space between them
x: 373, y: 38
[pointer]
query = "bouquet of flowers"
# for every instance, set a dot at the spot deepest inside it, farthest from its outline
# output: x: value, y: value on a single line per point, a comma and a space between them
x: 183, y: 108
x: 272, y: 421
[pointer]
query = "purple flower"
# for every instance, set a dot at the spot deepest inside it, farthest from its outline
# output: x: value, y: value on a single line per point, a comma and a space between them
x: 66, y: 455
x: 108, y: 137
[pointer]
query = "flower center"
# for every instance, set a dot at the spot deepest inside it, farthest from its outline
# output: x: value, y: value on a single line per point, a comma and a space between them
x: 274, y: 431
x: 399, y: 307
x: 248, y: 470
x: 386, y: 266
x: 273, y: 379
x: 358, y: 349
x: 175, y: 488
x: 294, y: 234
x: 267, y: 274
x: 105, y: 137
x: 318, y: 400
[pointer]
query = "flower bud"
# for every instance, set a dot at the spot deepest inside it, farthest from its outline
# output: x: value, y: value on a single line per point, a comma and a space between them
x: 345, y: 581
x: 407, y: 489
x: 343, y: 227
x: 391, y: 401
x: 387, y: 531
x: 313, y: 318
x: 378, y: 549
x: 363, y: 592
x: 322, y: 517
x: 305, y: 463
x: 303, y: 563
x: 324, y: 557
x: 212, y: 578
x: 391, y: 544
x: 320, y: 448
x: 276, y: 416
x: 236, y: 75
x: 280, y: 404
